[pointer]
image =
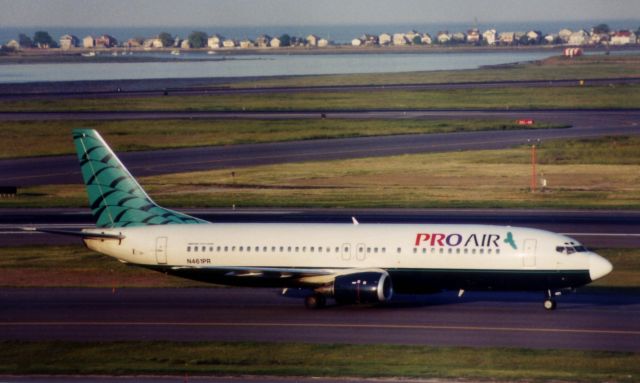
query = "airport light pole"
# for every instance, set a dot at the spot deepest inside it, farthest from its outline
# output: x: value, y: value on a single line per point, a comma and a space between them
x: 533, y: 168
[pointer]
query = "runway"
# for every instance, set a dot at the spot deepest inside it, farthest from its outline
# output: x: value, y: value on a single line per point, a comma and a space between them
x: 597, y: 229
x: 586, y: 320
x: 65, y: 170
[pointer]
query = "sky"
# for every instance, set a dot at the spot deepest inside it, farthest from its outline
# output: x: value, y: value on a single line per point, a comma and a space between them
x: 176, y: 13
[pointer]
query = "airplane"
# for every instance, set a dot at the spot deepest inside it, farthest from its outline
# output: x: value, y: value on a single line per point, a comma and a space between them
x: 351, y: 263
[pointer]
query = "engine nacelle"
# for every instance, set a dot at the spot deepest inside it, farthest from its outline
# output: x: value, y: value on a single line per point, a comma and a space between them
x: 363, y: 287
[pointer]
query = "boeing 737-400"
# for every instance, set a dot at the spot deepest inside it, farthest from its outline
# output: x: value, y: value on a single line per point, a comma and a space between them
x: 351, y: 263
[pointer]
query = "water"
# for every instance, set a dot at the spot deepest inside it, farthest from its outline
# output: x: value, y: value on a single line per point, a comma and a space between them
x: 261, y: 65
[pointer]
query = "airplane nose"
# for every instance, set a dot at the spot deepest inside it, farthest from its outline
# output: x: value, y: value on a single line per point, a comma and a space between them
x: 598, y: 267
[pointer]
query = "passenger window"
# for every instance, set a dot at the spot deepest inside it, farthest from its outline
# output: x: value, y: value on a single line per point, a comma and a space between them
x: 319, y: 249
x: 241, y: 248
x: 570, y: 250
x: 248, y: 249
x: 195, y: 248
x: 458, y: 251
x: 375, y: 249
x: 189, y: 249
x: 264, y: 249
x: 399, y: 250
x: 560, y: 249
x: 281, y: 249
x: 384, y: 249
x: 497, y: 251
x: 289, y: 249
x: 449, y: 250
x: 233, y: 248
x: 466, y: 251
x: 226, y: 248
x: 218, y: 249
x: 311, y: 249
x: 368, y: 249
x: 297, y: 249
x: 488, y: 251
x: 415, y: 250
x: 473, y: 251
x: 257, y: 248
x: 441, y: 250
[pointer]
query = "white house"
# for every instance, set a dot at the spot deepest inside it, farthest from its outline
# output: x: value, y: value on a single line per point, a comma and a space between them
x: 263, y: 41
x: 399, y: 39
x: 356, y: 42
x: 88, y: 42
x: 426, y: 39
x: 69, y: 41
x: 215, y: 41
x: 580, y: 37
x: 385, y: 39
x: 275, y: 42
x: 489, y: 36
x: 623, y: 38
x: 323, y: 43
x: 443, y: 37
x: 312, y: 40
x: 506, y: 38
x: 474, y: 36
x: 246, y: 43
x: 564, y: 35
x: 14, y: 44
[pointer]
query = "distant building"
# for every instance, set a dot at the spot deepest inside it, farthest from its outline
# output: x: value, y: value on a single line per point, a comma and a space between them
x: 312, y: 40
x: 551, y: 38
x: 459, y: 37
x: 106, y: 41
x: 153, y: 43
x: 400, y: 39
x: 489, y: 36
x: 246, y: 43
x: 411, y: 35
x: 506, y: 38
x: 426, y: 39
x: 323, y: 43
x: 533, y: 37
x: 474, y: 36
x: 356, y: 42
x: 215, y: 41
x: 134, y: 43
x: 623, y: 38
x: 385, y: 39
x: 185, y: 44
x: 599, y: 38
x: 369, y: 40
x: 88, y: 42
x: 68, y: 42
x: 580, y: 37
x: 443, y: 37
x: 229, y: 43
x: 564, y: 35
x: 275, y: 42
x: 14, y: 44
x: 263, y: 41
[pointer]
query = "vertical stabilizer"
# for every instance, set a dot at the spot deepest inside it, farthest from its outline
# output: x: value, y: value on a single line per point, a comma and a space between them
x: 115, y: 197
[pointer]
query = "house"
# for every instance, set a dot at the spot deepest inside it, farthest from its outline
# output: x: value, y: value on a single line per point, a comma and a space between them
x: 88, y: 42
x: 599, y: 38
x: 106, y: 41
x: 426, y: 39
x: 215, y: 41
x: 369, y: 40
x: 506, y: 38
x: 564, y: 35
x: 185, y: 44
x: 229, y: 43
x: 411, y: 36
x: 459, y: 37
x: 134, y: 43
x: 519, y: 37
x: 275, y: 42
x: 551, y: 38
x: 385, y: 39
x: 533, y: 37
x: 312, y: 40
x: 489, y: 36
x: 153, y: 43
x: 580, y: 37
x: 356, y: 42
x: 246, y: 43
x: 69, y: 41
x: 443, y: 37
x: 263, y: 41
x: 623, y: 38
x: 474, y: 36
x: 14, y: 44
x: 323, y: 43
x: 399, y: 39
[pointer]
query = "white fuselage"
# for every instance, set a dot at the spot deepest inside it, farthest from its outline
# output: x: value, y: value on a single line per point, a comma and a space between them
x: 333, y: 247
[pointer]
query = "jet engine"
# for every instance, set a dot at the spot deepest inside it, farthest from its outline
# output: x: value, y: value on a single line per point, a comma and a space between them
x: 363, y: 287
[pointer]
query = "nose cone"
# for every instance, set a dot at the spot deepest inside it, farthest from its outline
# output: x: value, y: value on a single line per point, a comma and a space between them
x: 598, y: 267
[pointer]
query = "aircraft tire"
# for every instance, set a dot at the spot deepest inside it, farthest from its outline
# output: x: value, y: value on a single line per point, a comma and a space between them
x: 315, y: 301
x: 549, y: 304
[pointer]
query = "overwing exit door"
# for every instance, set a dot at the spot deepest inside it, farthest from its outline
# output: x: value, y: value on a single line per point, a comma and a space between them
x: 529, y: 256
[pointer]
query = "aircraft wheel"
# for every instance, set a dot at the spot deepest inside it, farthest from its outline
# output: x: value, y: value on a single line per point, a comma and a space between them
x: 549, y: 304
x: 315, y: 301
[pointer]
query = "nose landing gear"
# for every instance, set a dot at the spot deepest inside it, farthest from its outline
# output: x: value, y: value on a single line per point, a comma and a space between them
x: 549, y: 303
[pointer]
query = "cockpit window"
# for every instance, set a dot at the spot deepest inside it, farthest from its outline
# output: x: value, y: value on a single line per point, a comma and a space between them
x: 571, y: 249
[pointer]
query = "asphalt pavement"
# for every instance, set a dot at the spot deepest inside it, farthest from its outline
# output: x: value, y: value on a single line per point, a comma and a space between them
x: 585, y: 320
x: 65, y: 170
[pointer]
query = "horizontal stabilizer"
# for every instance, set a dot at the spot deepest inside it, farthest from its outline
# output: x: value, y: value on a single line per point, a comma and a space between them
x: 82, y: 234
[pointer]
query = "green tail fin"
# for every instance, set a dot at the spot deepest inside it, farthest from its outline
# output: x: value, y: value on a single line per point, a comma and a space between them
x: 115, y: 197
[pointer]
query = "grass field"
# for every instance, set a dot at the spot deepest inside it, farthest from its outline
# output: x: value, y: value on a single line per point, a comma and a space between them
x: 76, y: 266
x: 578, y: 97
x: 580, y: 174
x: 54, y: 137
x: 554, y: 68
x: 329, y: 360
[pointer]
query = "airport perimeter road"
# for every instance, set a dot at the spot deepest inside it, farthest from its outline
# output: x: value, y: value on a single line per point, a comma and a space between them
x: 65, y: 170
x: 597, y: 229
x: 584, y: 320
x: 220, y: 86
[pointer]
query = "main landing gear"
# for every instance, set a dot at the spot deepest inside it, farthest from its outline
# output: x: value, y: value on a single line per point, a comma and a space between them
x: 549, y: 302
x: 315, y: 301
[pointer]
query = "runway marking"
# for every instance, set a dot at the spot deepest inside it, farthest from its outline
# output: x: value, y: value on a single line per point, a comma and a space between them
x: 333, y: 325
